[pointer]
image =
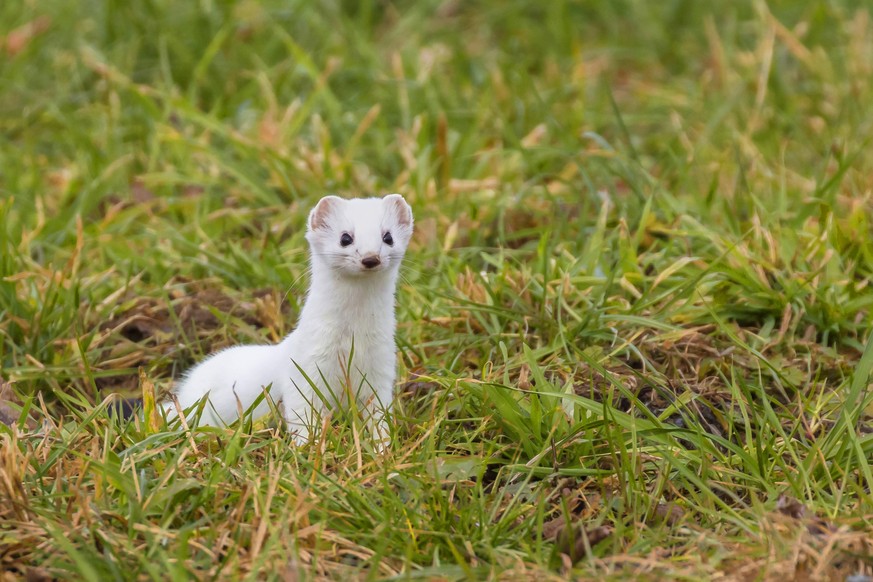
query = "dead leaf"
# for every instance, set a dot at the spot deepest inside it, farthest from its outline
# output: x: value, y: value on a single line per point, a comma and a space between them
x: 553, y: 527
x: 192, y: 191
x: 669, y: 513
x: 150, y: 411
x: 524, y: 377
x: 9, y: 415
x: 38, y: 574
x: 575, y: 541
x: 418, y: 388
x: 535, y: 136
x: 140, y: 193
x: 567, y: 531
x: 18, y: 39
x: 787, y: 505
x: 570, y: 500
x: 791, y: 507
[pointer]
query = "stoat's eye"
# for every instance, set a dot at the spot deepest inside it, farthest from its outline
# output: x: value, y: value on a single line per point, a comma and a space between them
x: 387, y: 239
x: 346, y: 239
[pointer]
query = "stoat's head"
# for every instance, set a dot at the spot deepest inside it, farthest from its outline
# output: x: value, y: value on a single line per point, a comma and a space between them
x: 361, y: 236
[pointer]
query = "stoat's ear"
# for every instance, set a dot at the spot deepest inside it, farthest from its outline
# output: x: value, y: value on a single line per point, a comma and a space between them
x: 320, y: 215
x: 400, y: 208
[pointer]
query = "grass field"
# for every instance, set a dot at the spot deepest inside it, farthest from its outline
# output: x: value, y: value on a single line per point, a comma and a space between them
x: 635, y: 319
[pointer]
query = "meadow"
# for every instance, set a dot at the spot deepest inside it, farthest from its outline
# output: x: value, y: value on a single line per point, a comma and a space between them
x: 635, y: 318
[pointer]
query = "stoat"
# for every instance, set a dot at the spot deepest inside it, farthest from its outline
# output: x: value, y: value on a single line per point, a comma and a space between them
x: 343, y: 345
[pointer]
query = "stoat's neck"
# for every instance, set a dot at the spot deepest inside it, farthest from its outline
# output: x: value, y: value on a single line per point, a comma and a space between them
x: 356, y: 302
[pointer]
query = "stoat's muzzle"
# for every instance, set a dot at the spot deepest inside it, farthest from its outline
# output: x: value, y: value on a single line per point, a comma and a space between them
x: 371, y: 261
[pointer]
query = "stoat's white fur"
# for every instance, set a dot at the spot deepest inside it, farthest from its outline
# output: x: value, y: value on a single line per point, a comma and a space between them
x: 348, y: 304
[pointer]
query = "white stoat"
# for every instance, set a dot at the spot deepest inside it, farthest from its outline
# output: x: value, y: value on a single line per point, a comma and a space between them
x: 344, y: 341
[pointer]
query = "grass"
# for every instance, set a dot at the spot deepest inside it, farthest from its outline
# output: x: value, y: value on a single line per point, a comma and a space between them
x: 635, y: 320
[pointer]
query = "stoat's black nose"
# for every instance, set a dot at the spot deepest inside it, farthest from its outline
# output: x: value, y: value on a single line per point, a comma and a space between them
x: 371, y: 262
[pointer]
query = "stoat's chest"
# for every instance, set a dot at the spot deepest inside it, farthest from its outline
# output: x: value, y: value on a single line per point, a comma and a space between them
x: 348, y: 352
x: 361, y: 341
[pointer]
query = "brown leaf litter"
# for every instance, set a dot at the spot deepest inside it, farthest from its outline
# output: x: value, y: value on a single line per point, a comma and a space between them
x: 18, y: 40
x: 9, y: 403
x: 821, y: 549
x: 574, y: 538
x: 157, y: 326
x: 791, y: 507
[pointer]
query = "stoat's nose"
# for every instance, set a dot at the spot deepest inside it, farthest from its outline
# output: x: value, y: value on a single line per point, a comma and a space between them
x: 371, y: 262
